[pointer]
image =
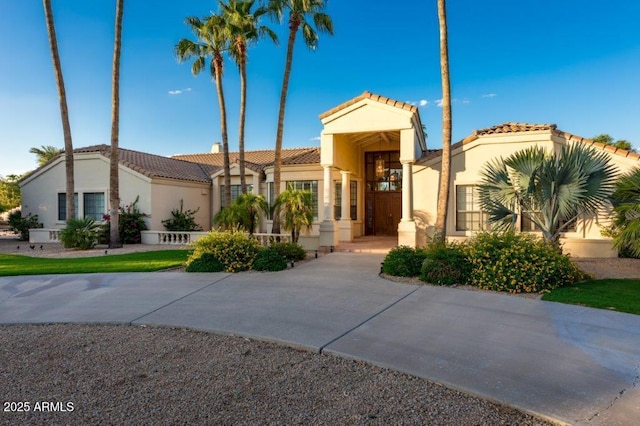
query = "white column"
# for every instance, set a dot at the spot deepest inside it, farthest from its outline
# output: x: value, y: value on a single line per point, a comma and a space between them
x: 407, y: 192
x: 327, y: 203
x: 345, y: 232
x: 407, y: 226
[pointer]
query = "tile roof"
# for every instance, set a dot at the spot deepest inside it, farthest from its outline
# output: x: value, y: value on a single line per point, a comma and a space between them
x: 525, y: 127
x: 256, y: 160
x: 156, y: 165
x: 512, y: 127
x: 368, y: 95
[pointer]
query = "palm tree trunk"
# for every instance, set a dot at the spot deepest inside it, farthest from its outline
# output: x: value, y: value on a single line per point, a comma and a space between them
x: 114, y: 192
x: 243, y: 108
x: 64, y: 112
x: 223, y: 128
x: 277, y: 166
x: 445, y: 172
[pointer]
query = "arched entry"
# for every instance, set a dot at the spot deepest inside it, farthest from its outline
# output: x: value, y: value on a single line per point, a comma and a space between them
x: 383, y: 194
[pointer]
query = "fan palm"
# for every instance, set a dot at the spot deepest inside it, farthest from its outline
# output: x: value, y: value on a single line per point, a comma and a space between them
x: 301, y: 12
x: 45, y: 153
x: 553, y: 189
x: 243, y: 29
x: 296, y: 208
x: 626, y: 213
x: 211, y: 41
x: 64, y: 110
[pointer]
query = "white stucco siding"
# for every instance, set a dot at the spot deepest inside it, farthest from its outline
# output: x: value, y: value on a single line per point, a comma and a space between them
x: 166, y: 195
x: 91, y: 171
x: 367, y: 116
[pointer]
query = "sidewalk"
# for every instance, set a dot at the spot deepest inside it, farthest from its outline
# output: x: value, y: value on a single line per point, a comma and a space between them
x: 573, y: 364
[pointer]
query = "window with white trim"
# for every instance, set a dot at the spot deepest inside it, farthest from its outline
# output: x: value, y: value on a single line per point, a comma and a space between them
x: 236, y: 190
x: 307, y: 185
x: 62, y: 205
x: 93, y: 205
x: 469, y: 217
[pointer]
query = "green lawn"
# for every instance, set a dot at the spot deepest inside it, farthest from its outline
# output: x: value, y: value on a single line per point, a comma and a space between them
x: 616, y: 295
x: 11, y: 264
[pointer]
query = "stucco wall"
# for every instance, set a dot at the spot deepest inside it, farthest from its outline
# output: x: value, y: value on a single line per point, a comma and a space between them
x: 166, y: 196
x: 40, y: 192
x: 466, y: 164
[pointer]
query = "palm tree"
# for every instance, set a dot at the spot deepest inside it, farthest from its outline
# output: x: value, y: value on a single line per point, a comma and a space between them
x: 211, y: 42
x: 243, y: 27
x: 300, y: 13
x: 626, y: 213
x: 445, y: 172
x: 252, y: 205
x: 552, y: 189
x: 296, y: 208
x: 64, y: 111
x: 45, y: 153
x: 114, y: 193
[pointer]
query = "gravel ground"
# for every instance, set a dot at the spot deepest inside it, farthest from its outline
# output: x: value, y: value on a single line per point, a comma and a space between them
x: 151, y: 375
x: 148, y: 375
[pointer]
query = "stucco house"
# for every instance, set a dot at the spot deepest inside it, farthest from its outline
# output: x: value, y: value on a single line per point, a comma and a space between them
x: 372, y: 175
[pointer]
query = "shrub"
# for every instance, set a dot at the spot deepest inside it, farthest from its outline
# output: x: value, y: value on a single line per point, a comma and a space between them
x: 268, y: 259
x: 292, y: 252
x: 80, y: 233
x: 130, y: 223
x: 182, y: 220
x: 207, y: 262
x: 21, y: 225
x: 518, y: 263
x: 445, y: 264
x: 234, y: 249
x: 404, y: 261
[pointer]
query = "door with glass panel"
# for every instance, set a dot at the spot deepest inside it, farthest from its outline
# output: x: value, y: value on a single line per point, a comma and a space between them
x: 383, y: 192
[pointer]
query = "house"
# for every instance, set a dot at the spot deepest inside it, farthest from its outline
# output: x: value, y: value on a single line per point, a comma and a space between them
x: 372, y: 175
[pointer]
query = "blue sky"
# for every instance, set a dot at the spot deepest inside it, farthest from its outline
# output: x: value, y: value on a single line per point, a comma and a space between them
x: 575, y: 63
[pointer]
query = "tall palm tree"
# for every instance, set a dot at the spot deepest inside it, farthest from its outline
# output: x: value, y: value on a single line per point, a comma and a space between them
x: 301, y: 13
x: 552, y: 189
x: 64, y: 111
x: 211, y: 42
x: 45, y: 153
x: 114, y: 192
x: 445, y: 171
x: 244, y: 28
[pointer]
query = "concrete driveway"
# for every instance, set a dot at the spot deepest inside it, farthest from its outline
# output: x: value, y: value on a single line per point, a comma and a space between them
x: 572, y: 364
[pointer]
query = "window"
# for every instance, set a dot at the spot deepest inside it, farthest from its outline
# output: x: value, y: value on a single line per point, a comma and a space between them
x: 389, y: 176
x: 93, y: 205
x: 307, y: 185
x: 62, y: 205
x: 236, y: 190
x: 469, y: 217
x: 353, y: 202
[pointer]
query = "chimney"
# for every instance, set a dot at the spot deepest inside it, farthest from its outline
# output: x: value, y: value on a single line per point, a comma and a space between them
x: 215, y: 148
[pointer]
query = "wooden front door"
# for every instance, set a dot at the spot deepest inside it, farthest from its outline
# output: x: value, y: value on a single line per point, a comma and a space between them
x: 387, y: 212
x: 383, y: 195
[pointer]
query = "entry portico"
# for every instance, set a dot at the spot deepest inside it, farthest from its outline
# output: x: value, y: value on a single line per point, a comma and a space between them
x: 372, y: 141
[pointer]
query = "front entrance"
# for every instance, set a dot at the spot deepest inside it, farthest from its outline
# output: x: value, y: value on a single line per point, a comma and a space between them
x: 383, y: 195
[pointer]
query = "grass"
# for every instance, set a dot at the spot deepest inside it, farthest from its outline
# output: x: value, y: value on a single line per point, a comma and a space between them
x: 11, y: 264
x: 615, y: 295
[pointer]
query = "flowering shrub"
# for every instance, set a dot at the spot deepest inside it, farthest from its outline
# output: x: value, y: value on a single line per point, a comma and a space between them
x: 130, y: 223
x: 235, y: 250
x: 518, y: 263
x: 445, y: 264
x: 404, y: 261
